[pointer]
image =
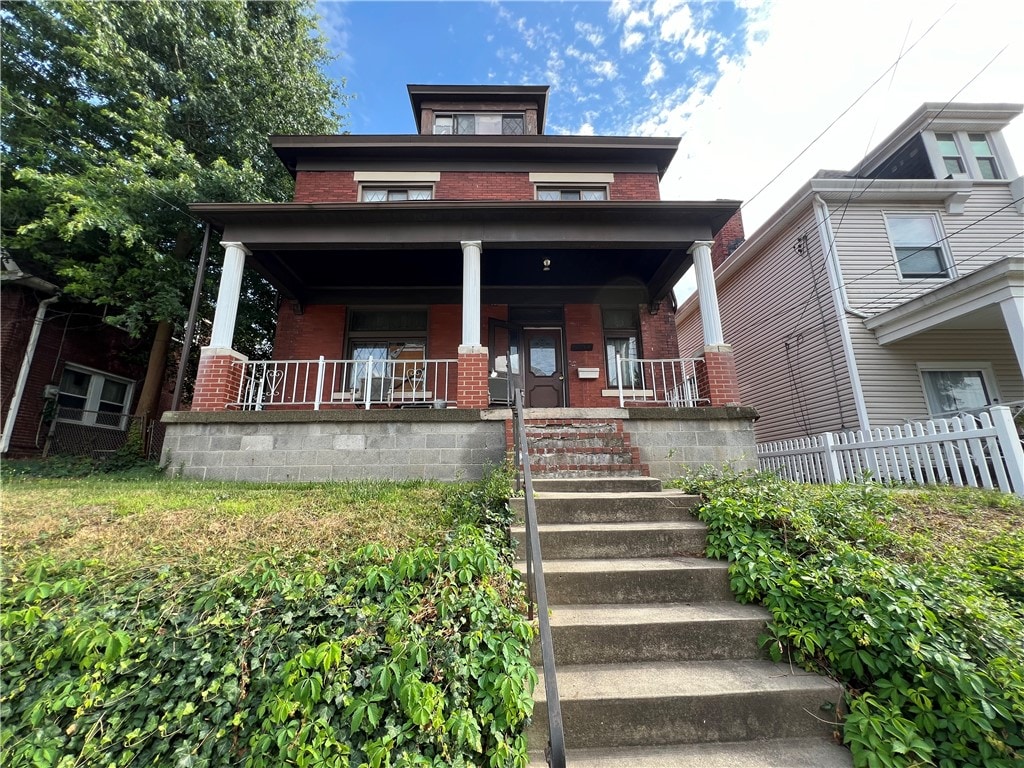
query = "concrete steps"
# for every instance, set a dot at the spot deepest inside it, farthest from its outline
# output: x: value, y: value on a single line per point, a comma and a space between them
x: 657, y: 664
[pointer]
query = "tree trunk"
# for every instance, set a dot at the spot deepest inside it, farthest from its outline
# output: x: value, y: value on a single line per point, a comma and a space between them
x: 149, y: 400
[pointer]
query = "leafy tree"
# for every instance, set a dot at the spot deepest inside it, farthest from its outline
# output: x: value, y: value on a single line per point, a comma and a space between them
x: 117, y: 115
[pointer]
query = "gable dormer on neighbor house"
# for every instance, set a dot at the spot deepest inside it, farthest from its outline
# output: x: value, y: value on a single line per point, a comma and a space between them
x: 888, y: 293
x: 419, y: 273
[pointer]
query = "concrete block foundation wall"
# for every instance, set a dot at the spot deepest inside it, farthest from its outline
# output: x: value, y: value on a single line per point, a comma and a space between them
x: 326, y: 446
x: 673, y: 440
x: 449, y: 444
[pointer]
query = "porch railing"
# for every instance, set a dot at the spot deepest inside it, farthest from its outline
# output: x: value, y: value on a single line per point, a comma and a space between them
x: 672, y: 382
x: 316, y: 383
x: 983, y: 452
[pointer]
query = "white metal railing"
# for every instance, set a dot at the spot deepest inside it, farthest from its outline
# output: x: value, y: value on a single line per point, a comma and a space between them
x: 669, y: 382
x: 364, y: 383
x: 983, y: 452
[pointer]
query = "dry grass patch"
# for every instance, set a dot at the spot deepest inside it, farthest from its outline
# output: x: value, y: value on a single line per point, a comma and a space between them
x: 138, y: 523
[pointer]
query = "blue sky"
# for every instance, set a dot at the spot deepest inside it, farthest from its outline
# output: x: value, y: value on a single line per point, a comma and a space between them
x: 762, y: 93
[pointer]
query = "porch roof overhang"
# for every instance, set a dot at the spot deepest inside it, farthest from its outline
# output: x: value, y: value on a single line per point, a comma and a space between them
x: 410, y: 251
x: 969, y: 302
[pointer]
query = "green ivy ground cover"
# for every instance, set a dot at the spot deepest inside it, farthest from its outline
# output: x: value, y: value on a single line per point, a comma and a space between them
x: 410, y: 656
x: 913, y: 599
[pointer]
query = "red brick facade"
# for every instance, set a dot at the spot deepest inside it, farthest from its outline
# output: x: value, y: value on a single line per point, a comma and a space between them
x: 473, y: 373
x: 217, y: 382
x: 319, y: 329
x: 720, y: 369
x: 729, y: 238
x: 341, y: 186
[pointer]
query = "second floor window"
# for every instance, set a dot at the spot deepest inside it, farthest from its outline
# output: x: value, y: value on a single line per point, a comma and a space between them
x: 968, y: 155
x: 482, y: 123
x: 393, y: 194
x: 918, y: 246
x: 578, y: 193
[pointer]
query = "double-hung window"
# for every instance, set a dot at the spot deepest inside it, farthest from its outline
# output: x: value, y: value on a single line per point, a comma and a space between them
x: 918, y: 246
x: 480, y: 123
x: 950, y: 388
x: 622, y: 340
x: 572, y: 193
x: 93, y: 397
x: 396, y: 194
x: 968, y: 154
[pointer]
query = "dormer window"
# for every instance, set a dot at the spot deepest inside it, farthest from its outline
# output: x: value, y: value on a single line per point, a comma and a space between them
x: 396, y: 194
x: 572, y: 193
x: 967, y: 155
x: 480, y: 123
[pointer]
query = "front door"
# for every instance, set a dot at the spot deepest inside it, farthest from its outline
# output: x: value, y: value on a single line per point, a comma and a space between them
x: 543, y: 368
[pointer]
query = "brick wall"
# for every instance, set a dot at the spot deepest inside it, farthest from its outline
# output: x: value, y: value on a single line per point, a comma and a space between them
x: 721, y: 377
x: 583, y: 325
x: 658, y: 332
x: 341, y: 187
x: 729, y: 238
x: 325, y: 187
x: 473, y: 373
x: 319, y: 330
x: 69, y: 334
x: 217, y: 382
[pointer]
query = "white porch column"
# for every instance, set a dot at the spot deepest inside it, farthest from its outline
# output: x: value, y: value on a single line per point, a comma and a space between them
x: 223, y: 333
x: 710, y: 317
x: 471, y: 293
x: 1013, y: 314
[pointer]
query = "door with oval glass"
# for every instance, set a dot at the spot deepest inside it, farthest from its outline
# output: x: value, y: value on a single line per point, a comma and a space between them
x: 544, y: 367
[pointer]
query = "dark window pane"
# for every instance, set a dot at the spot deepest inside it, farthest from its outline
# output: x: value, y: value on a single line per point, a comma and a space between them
x: 542, y: 356
x: 388, y: 320
x: 988, y: 167
x: 921, y: 262
x: 75, y: 383
x: 954, y: 165
x: 465, y: 124
x: 620, y: 319
x: 513, y: 125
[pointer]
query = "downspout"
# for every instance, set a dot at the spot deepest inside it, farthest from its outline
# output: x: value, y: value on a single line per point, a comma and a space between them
x: 26, y: 365
x: 841, y: 303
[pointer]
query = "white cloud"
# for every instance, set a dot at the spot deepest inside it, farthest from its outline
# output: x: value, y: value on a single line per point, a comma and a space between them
x: 605, y: 69
x: 656, y: 71
x: 677, y: 26
x: 632, y: 41
x: 804, y: 69
x: 586, y: 129
x: 590, y: 33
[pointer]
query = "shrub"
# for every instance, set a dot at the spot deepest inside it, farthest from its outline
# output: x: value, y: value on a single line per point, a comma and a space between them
x: 931, y: 652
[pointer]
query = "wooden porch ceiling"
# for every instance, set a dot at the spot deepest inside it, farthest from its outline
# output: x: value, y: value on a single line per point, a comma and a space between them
x: 359, y: 253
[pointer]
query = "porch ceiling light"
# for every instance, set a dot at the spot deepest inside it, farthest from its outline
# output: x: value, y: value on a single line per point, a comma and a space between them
x: 547, y: 265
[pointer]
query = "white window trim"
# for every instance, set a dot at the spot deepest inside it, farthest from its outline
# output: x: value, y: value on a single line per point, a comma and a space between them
x: 941, y: 241
x: 987, y: 373
x: 92, y: 398
x: 963, y: 145
x: 574, y: 179
x: 395, y: 178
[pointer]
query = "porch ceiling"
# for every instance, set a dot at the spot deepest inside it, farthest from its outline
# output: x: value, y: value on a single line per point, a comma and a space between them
x: 348, y: 253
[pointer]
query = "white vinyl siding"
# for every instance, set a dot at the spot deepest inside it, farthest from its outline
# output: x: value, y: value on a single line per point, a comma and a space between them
x: 774, y: 301
x: 891, y: 379
x: 872, y: 282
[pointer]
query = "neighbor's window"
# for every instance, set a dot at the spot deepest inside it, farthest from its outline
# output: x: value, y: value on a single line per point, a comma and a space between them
x: 482, y: 123
x: 968, y: 154
x: 950, y: 152
x: 577, y: 193
x: 949, y: 390
x: 93, y: 397
x: 919, y: 246
x: 393, y: 194
x: 622, y: 339
x: 984, y: 156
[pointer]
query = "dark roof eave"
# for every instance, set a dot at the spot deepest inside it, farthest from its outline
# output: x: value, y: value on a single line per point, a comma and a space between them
x: 657, y: 151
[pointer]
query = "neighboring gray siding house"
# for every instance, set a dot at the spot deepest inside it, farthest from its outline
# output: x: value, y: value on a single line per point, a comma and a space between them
x: 889, y: 293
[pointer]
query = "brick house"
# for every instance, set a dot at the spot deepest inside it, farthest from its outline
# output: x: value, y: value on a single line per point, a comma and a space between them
x: 419, y: 273
x: 889, y: 293
x: 68, y: 380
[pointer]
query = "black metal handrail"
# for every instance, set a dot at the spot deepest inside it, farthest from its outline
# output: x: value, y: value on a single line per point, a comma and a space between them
x: 537, y: 592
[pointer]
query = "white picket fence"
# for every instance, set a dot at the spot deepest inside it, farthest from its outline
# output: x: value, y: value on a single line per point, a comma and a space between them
x: 982, y: 451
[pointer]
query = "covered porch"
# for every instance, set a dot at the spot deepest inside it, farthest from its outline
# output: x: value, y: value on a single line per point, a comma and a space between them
x: 424, y: 305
